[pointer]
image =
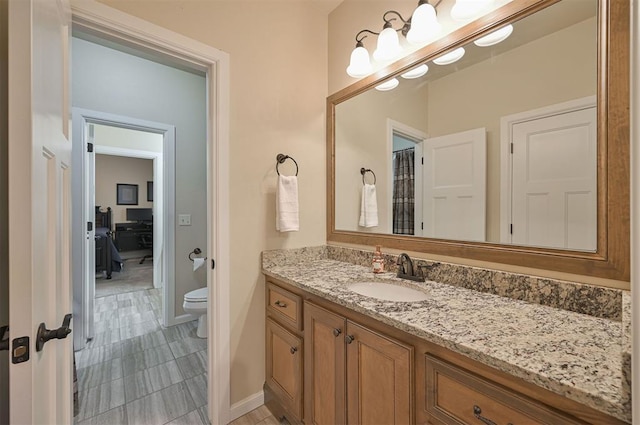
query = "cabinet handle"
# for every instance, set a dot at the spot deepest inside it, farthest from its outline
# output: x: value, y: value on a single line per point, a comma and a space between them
x: 336, y: 332
x: 477, y: 413
x: 293, y: 350
x: 349, y: 339
x: 280, y: 304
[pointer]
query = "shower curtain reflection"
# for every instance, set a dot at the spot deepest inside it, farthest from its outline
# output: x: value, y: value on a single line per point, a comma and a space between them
x: 403, y: 191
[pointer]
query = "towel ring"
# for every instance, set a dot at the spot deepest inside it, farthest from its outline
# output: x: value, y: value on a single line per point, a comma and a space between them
x: 282, y: 158
x: 363, y: 171
x: 196, y: 251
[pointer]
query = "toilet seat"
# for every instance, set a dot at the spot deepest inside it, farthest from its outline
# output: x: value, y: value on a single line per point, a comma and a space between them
x: 198, y: 295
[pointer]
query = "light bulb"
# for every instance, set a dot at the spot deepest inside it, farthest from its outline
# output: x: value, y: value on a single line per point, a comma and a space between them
x: 388, y: 45
x: 388, y: 85
x: 416, y: 72
x: 465, y: 10
x: 450, y: 57
x: 424, y: 25
x: 360, y: 64
x: 494, y: 37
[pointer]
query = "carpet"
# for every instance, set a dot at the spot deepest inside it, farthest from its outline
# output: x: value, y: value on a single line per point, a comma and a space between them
x: 133, y: 277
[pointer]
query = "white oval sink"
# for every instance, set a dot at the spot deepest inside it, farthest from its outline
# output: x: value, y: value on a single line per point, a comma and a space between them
x: 387, y: 291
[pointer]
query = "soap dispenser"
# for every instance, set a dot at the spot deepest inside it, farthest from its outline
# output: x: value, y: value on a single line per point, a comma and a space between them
x: 378, y: 260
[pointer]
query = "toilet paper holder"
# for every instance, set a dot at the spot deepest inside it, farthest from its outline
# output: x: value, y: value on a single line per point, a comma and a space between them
x: 196, y: 251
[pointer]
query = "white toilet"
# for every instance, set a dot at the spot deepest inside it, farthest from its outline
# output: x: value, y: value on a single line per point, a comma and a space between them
x: 195, y: 302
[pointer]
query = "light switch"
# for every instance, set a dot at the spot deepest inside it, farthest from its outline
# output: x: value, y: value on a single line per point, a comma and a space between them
x: 184, y: 219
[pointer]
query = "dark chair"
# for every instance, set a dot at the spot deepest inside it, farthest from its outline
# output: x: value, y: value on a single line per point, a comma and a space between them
x: 145, y: 241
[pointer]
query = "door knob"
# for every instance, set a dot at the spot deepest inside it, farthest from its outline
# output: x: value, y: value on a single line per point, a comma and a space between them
x: 337, y: 332
x: 4, y: 343
x: 349, y: 339
x: 45, y: 334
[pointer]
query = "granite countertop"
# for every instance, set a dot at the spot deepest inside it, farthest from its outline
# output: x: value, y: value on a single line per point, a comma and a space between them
x: 571, y: 354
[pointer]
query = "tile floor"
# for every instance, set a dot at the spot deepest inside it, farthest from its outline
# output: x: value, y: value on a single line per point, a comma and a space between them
x: 135, y: 372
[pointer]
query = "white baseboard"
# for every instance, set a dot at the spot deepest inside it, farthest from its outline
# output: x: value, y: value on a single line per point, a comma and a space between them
x: 246, y: 405
x: 182, y: 319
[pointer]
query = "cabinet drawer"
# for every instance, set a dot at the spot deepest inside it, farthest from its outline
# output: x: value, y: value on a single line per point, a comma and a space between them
x: 284, y: 306
x: 457, y: 397
x: 284, y: 366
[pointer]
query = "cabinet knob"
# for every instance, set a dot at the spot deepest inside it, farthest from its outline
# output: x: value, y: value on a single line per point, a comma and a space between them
x: 280, y: 304
x: 336, y: 332
x: 349, y: 339
x: 293, y: 350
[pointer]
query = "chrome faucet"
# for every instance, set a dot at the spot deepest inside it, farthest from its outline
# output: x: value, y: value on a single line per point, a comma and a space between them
x: 405, y: 268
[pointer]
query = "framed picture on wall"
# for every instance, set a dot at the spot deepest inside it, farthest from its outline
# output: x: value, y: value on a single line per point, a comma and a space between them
x: 150, y: 191
x: 127, y: 194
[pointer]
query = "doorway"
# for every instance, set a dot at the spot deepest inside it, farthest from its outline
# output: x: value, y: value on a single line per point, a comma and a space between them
x: 118, y: 230
x: 405, y: 170
x: 211, y: 65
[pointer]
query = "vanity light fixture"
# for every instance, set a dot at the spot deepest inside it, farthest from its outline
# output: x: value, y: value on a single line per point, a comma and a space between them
x: 424, y: 24
x: 464, y: 10
x: 388, y: 42
x: 416, y: 72
x: 360, y: 64
x: 495, y: 37
x: 420, y: 28
x: 450, y: 57
x: 388, y: 85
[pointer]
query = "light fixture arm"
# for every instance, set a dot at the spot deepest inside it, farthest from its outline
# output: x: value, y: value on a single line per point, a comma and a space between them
x: 359, y: 39
x: 406, y: 23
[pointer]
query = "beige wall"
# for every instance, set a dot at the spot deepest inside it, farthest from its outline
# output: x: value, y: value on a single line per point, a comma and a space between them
x: 278, y: 53
x: 111, y: 170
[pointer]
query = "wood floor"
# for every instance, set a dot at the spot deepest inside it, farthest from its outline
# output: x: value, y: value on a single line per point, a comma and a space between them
x: 260, y: 416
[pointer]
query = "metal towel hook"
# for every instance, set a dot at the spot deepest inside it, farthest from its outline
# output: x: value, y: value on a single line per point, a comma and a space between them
x: 282, y: 158
x: 363, y: 171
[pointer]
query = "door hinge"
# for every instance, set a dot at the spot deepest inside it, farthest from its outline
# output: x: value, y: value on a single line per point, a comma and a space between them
x: 511, y: 147
x: 213, y: 264
x: 89, y: 226
x: 89, y: 147
x: 511, y: 229
x: 422, y: 225
x: 422, y: 160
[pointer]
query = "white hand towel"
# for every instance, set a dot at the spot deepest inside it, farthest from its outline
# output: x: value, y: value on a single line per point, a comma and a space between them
x: 287, y: 204
x: 369, y: 206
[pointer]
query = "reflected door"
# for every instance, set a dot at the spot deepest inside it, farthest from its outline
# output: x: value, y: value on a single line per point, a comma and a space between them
x: 455, y: 186
x: 554, y: 181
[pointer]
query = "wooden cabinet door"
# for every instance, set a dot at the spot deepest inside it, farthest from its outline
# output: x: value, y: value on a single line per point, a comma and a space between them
x: 379, y: 371
x: 324, y: 375
x: 284, y: 366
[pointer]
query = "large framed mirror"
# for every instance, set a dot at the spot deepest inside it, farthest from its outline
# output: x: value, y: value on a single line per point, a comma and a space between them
x: 516, y: 153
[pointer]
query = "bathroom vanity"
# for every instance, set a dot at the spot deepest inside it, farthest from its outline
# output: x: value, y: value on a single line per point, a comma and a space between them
x: 461, y: 356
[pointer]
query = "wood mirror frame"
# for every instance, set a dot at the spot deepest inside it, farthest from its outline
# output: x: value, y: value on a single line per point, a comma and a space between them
x: 611, y: 259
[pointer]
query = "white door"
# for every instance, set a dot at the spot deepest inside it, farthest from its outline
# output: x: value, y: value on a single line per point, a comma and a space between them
x: 90, y: 243
x: 39, y: 207
x: 554, y: 181
x: 455, y: 186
